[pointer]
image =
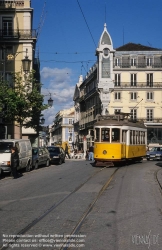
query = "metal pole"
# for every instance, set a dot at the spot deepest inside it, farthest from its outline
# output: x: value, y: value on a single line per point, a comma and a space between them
x: 4, y: 63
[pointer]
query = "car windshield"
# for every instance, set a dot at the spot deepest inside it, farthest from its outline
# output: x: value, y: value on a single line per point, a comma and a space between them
x: 53, y: 150
x: 156, y: 149
x: 5, y: 147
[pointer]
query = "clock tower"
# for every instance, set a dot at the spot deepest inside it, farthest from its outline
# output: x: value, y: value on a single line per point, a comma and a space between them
x: 105, y: 74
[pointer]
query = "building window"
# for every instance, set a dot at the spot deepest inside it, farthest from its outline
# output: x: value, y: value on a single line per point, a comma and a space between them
x: 117, y: 62
x: 149, y: 95
x: 133, y: 61
x: 133, y: 79
x: 117, y: 79
x: 150, y: 79
x: 8, y: 50
x: 133, y: 113
x: 105, y: 67
x: 70, y: 139
x: 149, y: 114
x: 117, y: 96
x: 117, y: 111
x: 7, y: 26
x: 133, y: 95
x: 70, y: 130
x: 149, y: 61
x: 70, y: 121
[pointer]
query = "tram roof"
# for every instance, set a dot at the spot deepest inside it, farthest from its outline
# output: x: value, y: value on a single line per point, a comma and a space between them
x: 118, y: 120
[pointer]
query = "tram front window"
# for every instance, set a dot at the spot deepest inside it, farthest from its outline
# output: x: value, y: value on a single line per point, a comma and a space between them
x: 105, y: 134
x: 115, y: 135
x: 97, y: 139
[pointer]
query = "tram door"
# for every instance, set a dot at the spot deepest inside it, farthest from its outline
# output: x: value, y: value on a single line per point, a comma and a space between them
x: 123, y: 145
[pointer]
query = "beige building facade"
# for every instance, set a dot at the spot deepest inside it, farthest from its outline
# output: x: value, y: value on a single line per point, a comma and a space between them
x: 17, y: 40
x: 138, y: 86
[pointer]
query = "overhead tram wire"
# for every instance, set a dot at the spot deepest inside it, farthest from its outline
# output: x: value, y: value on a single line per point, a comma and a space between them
x: 87, y: 24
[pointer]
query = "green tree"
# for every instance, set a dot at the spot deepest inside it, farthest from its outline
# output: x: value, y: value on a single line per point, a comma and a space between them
x: 23, y: 101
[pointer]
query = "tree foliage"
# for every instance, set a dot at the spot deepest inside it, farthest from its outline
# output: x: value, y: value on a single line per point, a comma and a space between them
x: 22, y: 102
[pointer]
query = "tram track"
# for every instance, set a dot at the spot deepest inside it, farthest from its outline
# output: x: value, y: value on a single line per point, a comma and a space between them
x: 157, y: 179
x: 55, y: 205
x: 87, y: 211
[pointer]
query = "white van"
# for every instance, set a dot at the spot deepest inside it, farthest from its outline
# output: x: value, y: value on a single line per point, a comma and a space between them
x: 24, y: 150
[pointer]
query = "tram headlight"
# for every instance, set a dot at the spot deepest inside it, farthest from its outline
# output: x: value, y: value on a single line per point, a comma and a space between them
x: 104, y: 152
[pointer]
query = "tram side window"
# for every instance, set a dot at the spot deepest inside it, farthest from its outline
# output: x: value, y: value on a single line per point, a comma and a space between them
x: 105, y: 134
x: 138, y: 137
x: 143, y: 137
x: 115, y: 134
x: 123, y: 136
x: 131, y: 137
x: 134, y: 137
x: 97, y: 135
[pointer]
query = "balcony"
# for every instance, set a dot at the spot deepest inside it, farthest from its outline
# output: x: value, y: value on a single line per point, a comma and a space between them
x: 139, y: 65
x: 91, y: 92
x: 136, y: 85
x: 148, y: 120
x: 17, y: 34
x: 12, y: 4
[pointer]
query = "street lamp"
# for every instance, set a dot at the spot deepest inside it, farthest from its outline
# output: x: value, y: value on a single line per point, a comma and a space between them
x: 50, y: 100
x: 42, y: 120
x: 26, y: 63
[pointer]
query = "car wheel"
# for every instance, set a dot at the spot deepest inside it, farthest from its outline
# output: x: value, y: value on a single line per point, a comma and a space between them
x: 28, y: 167
x: 148, y: 159
x: 47, y: 163
x: 63, y: 160
x: 36, y: 165
x: 60, y: 161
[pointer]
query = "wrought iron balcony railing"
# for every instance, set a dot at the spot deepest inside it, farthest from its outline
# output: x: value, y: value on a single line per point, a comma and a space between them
x: 18, y: 34
x: 12, y: 3
x: 138, y: 65
x: 118, y: 85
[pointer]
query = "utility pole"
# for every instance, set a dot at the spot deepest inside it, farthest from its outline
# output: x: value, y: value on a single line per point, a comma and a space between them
x: 4, y: 62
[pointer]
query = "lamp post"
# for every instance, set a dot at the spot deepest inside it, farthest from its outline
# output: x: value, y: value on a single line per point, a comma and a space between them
x: 26, y: 62
x: 50, y: 100
x: 42, y: 120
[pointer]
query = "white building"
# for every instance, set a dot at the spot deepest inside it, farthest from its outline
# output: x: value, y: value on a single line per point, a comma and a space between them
x: 62, y: 129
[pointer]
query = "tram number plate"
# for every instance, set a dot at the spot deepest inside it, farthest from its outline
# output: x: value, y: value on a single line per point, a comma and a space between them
x: 152, y: 155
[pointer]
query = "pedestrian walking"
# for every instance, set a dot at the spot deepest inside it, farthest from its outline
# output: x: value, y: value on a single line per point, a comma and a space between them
x: 67, y: 151
x: 14, y: 162
x: 91, y: 155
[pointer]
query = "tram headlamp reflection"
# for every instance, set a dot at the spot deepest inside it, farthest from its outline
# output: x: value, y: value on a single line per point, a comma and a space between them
x: 104, y: 152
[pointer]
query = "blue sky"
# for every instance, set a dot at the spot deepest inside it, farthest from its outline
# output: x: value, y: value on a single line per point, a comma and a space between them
x: 69, y: 35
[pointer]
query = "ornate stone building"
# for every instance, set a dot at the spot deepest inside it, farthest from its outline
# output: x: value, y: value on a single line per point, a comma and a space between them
x: 127, y: 79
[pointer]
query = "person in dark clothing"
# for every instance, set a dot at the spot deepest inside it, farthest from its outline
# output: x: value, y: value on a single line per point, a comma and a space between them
x: 14, y: 162
x: 67, y: 151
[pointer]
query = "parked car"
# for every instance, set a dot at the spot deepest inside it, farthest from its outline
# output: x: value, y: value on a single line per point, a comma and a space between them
x: 154, y: 154
x: 40, y: 156
x: 24, y: 151
x: 57, y: 154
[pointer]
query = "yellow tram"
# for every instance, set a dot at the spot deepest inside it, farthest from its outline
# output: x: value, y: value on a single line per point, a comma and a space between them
x: 118, y: 138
